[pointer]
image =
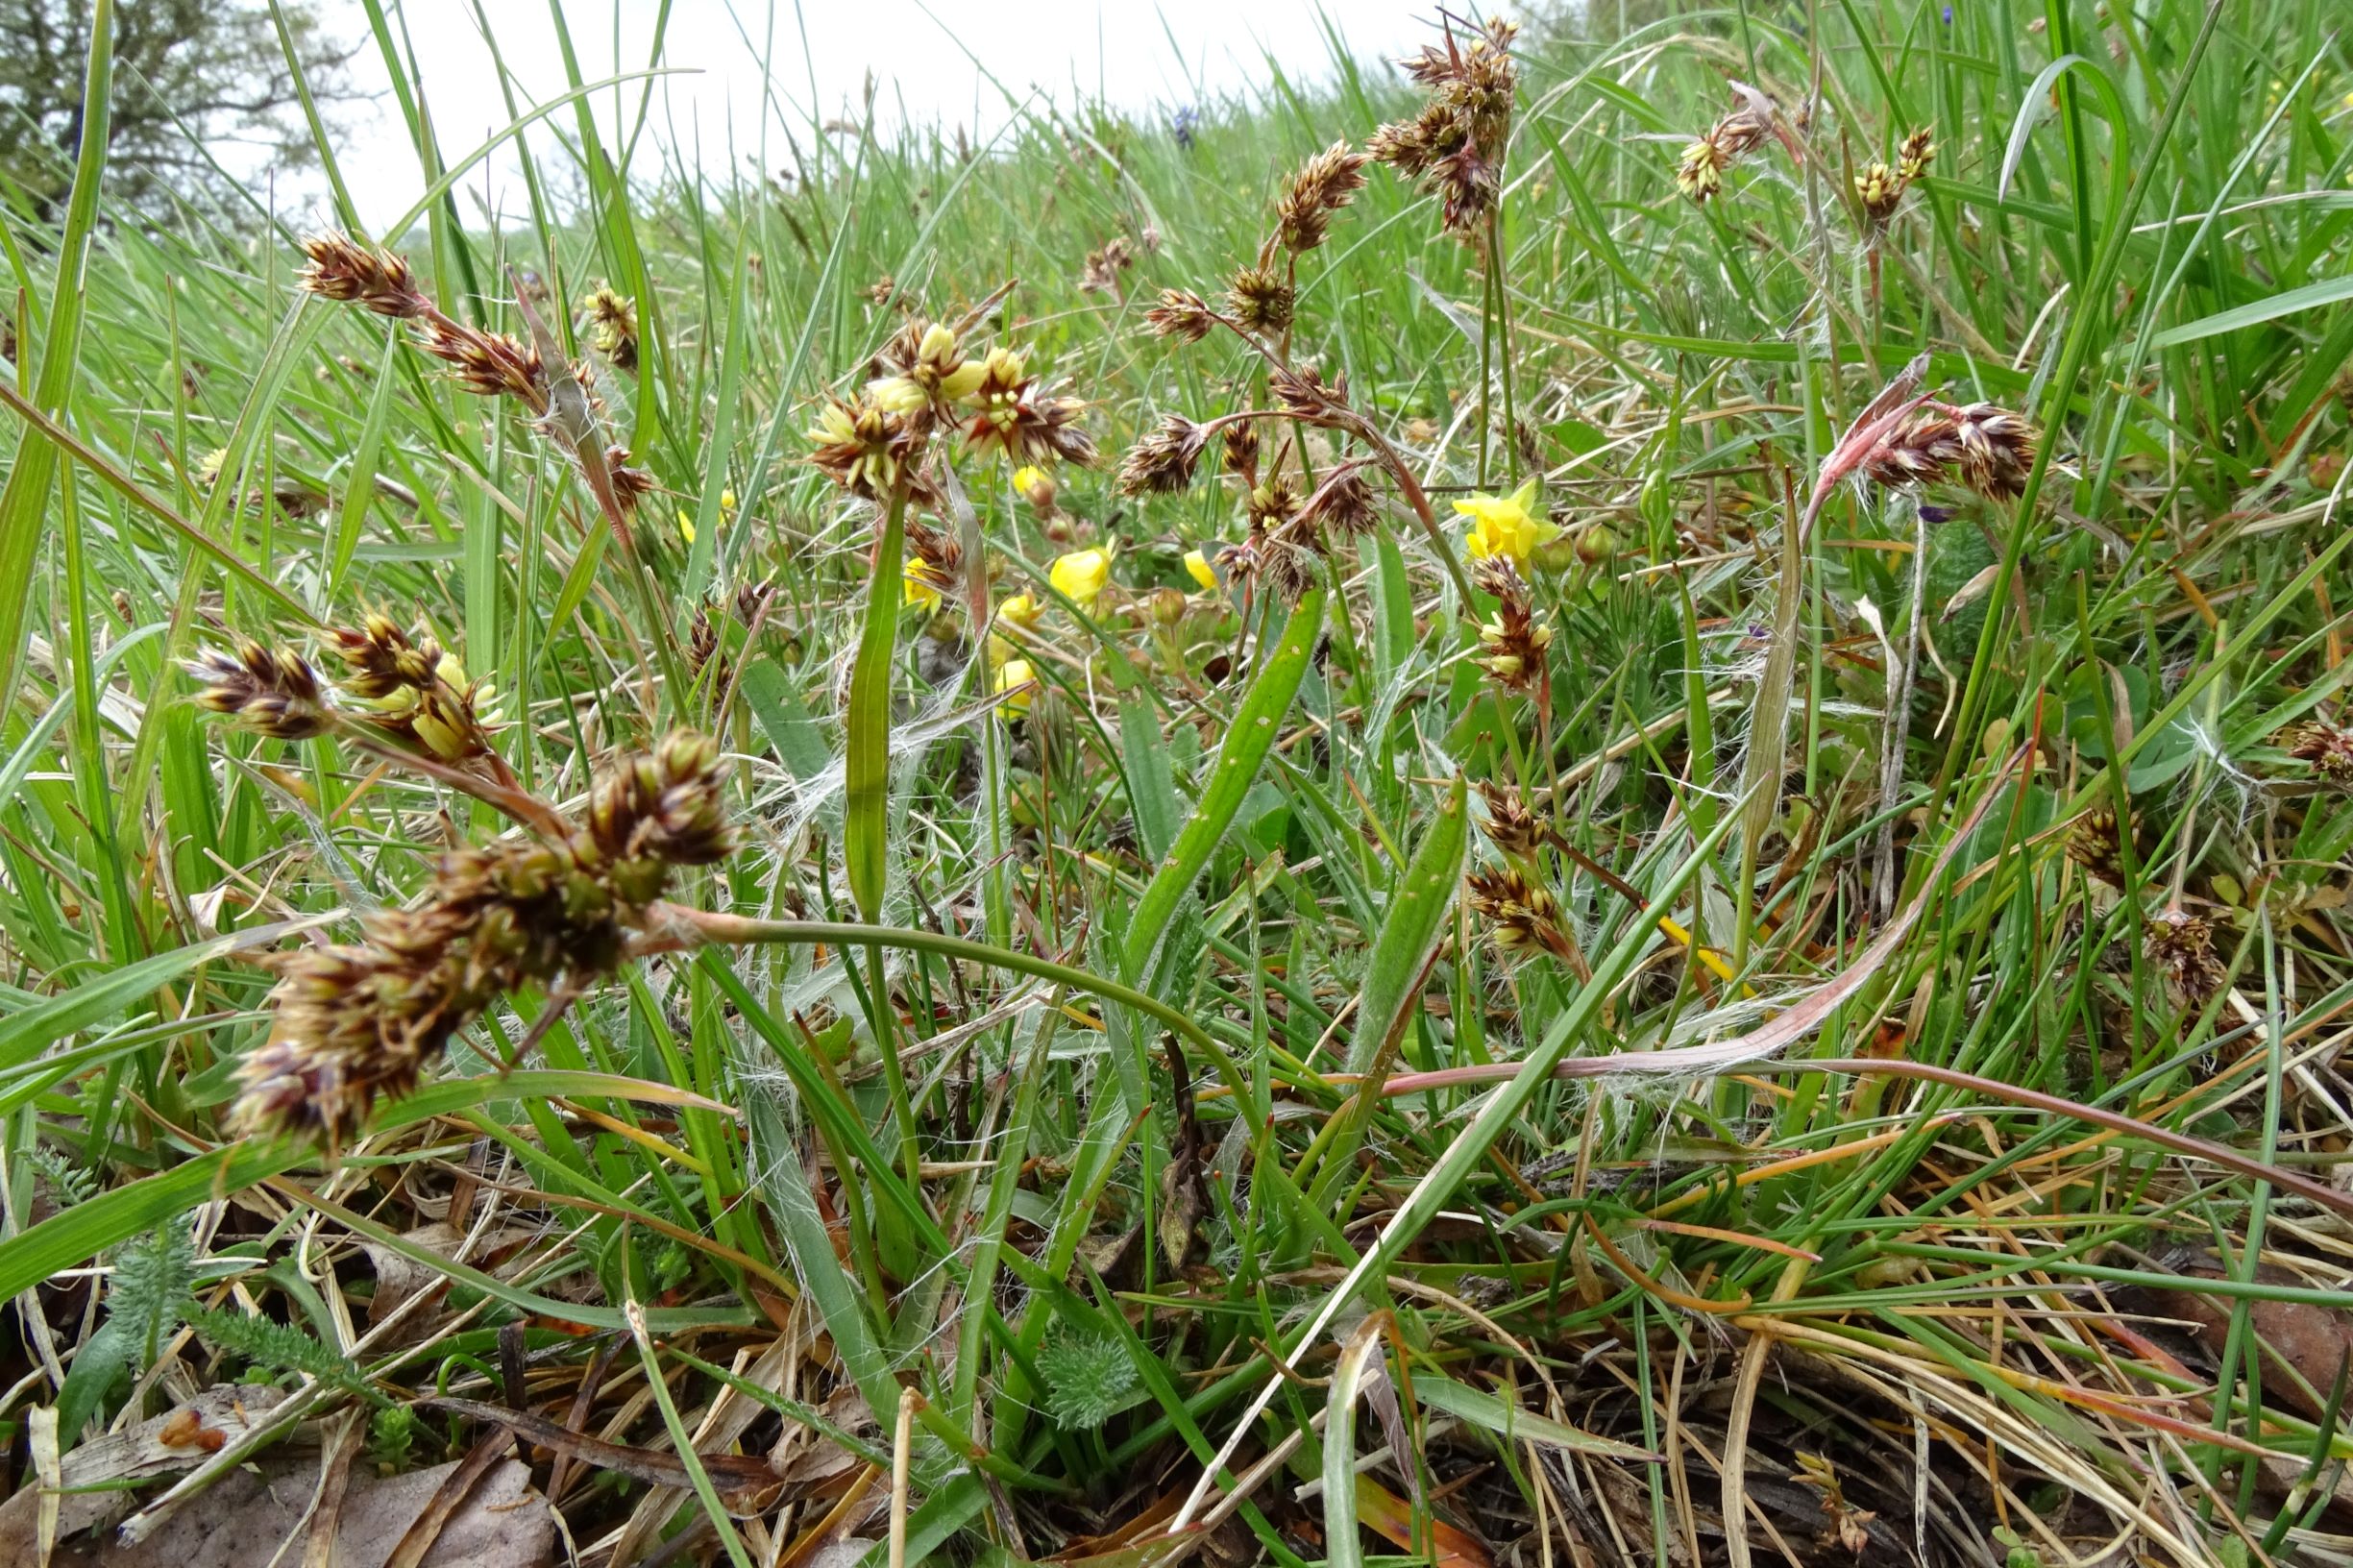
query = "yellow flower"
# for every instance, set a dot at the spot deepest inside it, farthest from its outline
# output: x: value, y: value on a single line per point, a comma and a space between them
x: 686, y: 527
x: 1503, y: 526
x: 1020, y: 610
x: 1203, y: 574
x: 923, y: 586
x: 208, y: 469
x: 1081, y: 574
x: 726, y: 501
x: 1025, y: 478
x: 1014, y: 680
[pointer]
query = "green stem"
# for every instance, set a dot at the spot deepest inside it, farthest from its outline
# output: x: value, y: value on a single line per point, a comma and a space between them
x: 693, y: 927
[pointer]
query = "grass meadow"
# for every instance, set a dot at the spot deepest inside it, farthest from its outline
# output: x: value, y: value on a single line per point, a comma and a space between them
x: 1619, y: 837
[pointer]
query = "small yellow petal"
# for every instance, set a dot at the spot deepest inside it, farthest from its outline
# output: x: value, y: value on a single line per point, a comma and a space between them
x: 686, y: 527
x: 1080, y: 576
x: 1013, y: 686
x: 1197, y: 564
x: 1020, y: 610
x: 1026, y: 477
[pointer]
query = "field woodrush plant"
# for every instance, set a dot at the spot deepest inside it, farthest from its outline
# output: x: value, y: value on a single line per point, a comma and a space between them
x: 954, y: 847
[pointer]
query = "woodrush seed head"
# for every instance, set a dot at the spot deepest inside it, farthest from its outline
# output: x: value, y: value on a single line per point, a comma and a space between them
x: 1287, y: 568
x: 1996, y: 450
x: 667, y: 804
x: 380, y: 658
x: 1328, y: 182
x: 612, y: 326
x: 1302, y: 390
x: 343, y: 270
x: 1879, y: 190
x: 1181, y: 314
x: 1018, y: 415
x: 1514, y: 639
x: 1164, y: 462
x: 356, y: 1024
x: 1343, y: 505
x: 489, y: 364
x: 2181, y: 946
x: 2326, y: 749
x: 2095, y: 843
x: 862, y: 446
x: 1522, y: 915
x: 1262, y: 300
x: 1510, y: 827
x: 1241, y: 450
x: 271, y: 690
x: 1454, y: 147
x: 631, y: 485
x: 1914, y: 158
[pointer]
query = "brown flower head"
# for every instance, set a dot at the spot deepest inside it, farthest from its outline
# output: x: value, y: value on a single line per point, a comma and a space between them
x: 1879, y: 189
x: 1181, y: 314
x: 1273, y: 502
x: 1303, y: 390
x: 631, y: 485
x: 1510, y: 827
x: 1988, y: 449
x: 382, y: 659
x: 2097, y: 844
x: 657, y: 809
x: 1163, y: 463
x: 1524, y: 915
x: 1328, y: 182
x: 612, y: 326
x: 1514, y: 640
x: 1699, y: 174
x: 2326, y: 748
x: 1101, y: 273
x: 863, y: 447
x: 1242, y: 454
x: 344, y: 270
x: 1454, y: 147
x: 271, y: 690
x: 2181, y: 946
x: 1262, y: 300
x: 490, y: 364
x: 1914, y: 158
x: 1343, y: 505
x: 933, y: 557
x: 1996, y: 450
x: 1287, y: 568
x: 356, y: 1024
x: 1017, y: 414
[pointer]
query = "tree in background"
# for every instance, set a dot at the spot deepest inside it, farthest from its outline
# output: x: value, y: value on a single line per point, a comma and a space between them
x: 199, y: 87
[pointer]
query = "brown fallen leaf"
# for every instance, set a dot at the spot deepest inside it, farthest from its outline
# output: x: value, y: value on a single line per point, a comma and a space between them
x: 2314, y: 1342
x: 165, y: 1445
x: 1389, y: 1516
x: 250, y: 1513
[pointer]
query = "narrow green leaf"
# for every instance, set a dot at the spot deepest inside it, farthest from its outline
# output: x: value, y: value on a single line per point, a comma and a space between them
x: 1359, y: 1364
x: 866, y: 827
x: 1151, y: 791
x: 2310, y: 296
x: 1512, y: 1424
x: 1255, y: 722
x: 1419, y: 902
x: 25, y: 500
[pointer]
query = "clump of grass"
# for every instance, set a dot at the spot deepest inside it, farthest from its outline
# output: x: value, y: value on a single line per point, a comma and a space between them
x: 751, y: 892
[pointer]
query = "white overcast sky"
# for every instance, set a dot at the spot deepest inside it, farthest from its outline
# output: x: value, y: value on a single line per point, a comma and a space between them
x: 930, y: 55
